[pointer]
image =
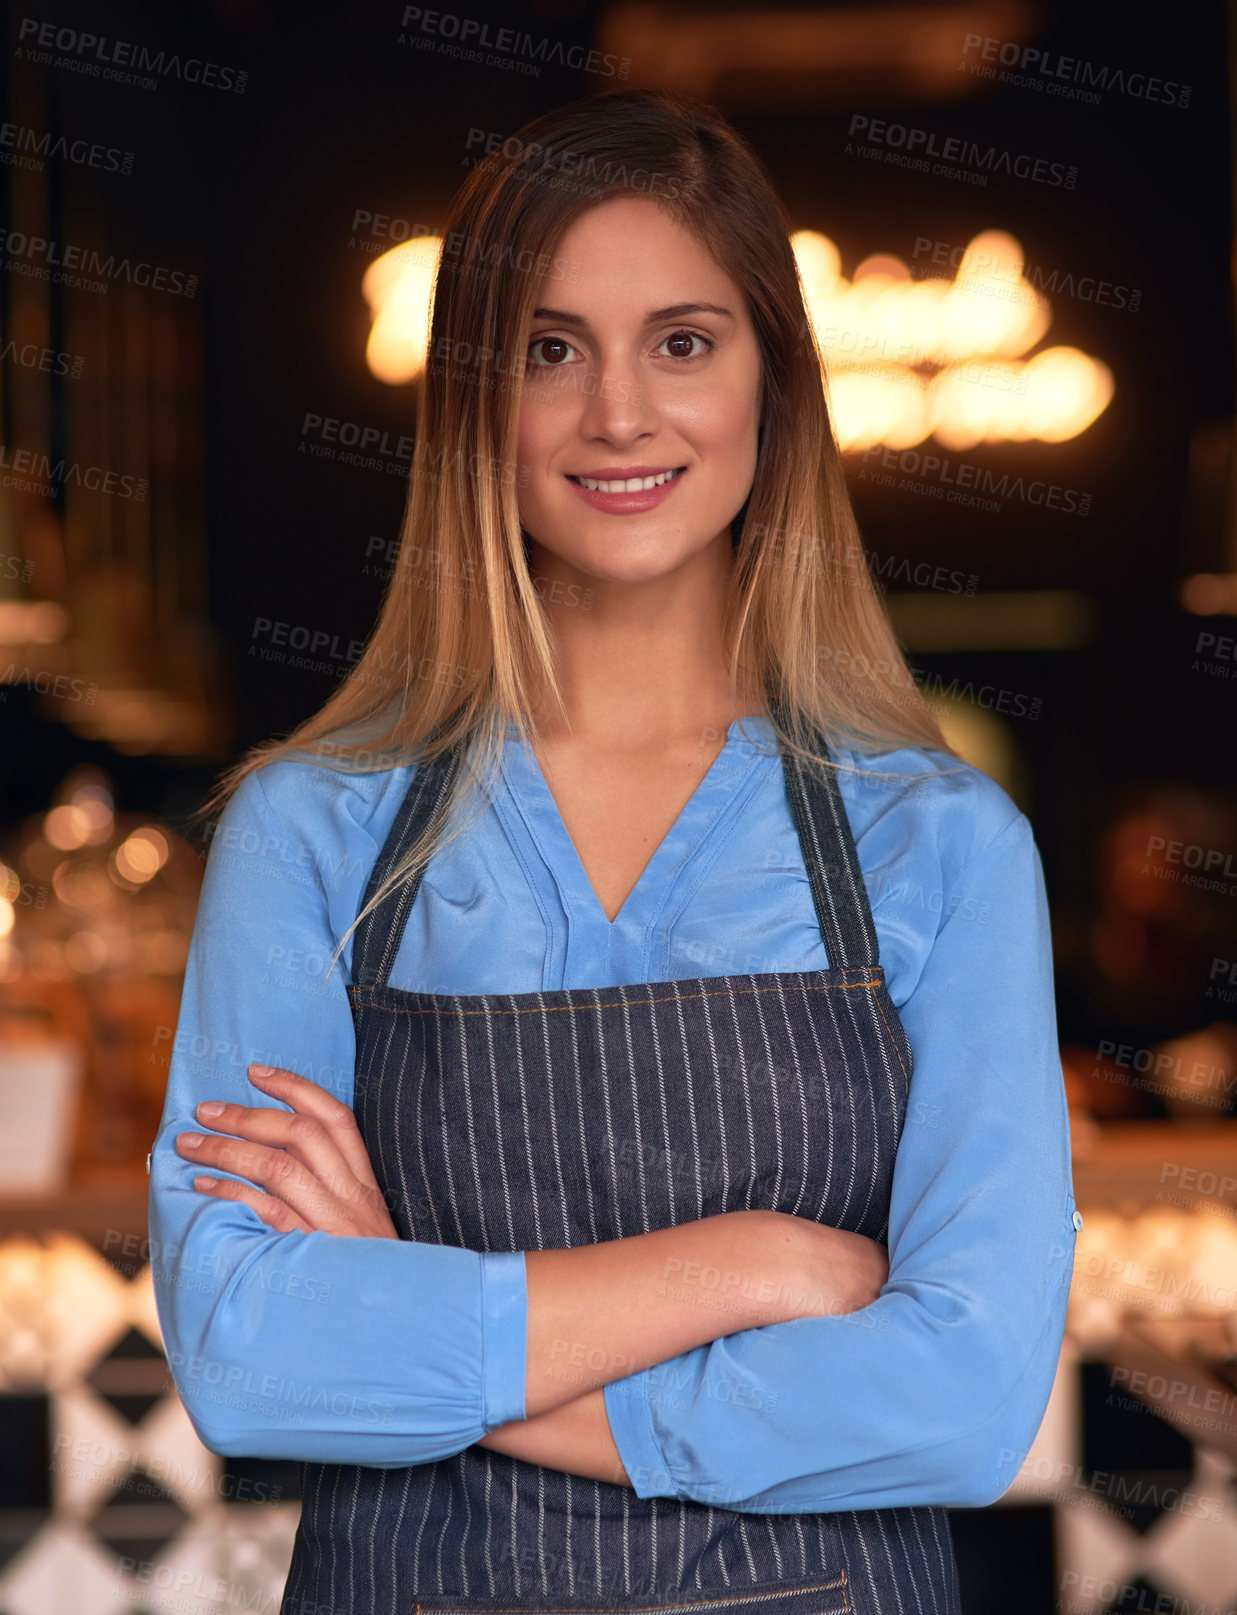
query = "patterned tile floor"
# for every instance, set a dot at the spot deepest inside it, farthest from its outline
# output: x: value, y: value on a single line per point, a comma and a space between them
x: 109, y: 1505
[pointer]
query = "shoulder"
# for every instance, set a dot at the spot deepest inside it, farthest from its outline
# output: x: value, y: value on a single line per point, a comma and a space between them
x: 919, y: 796
x: 939, y: 842
x: 305, y: 815
x: 296, y: 787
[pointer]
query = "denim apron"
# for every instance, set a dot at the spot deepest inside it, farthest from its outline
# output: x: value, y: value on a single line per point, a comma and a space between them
x: 526, y: 1121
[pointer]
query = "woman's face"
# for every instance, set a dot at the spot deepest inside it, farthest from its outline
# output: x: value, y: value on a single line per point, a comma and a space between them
x: 630, y: 374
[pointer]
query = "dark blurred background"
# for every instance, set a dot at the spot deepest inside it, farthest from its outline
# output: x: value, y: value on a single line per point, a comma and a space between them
x: 164, y: 500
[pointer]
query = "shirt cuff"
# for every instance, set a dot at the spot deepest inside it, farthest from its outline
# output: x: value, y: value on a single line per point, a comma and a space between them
x: 504, y: 1336
x: 629, y: 1410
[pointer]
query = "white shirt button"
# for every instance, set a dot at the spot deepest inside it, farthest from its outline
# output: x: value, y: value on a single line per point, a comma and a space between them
x: 1078, y: 1221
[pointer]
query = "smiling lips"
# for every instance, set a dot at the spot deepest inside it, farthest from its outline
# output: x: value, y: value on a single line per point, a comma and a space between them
x: 627, y: 490
x: 626, y: 479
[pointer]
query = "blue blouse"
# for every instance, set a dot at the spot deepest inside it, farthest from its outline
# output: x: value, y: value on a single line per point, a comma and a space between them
x: 391, y: 1353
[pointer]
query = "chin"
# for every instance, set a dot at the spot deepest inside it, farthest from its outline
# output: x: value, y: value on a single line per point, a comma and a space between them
x: 642, y: 569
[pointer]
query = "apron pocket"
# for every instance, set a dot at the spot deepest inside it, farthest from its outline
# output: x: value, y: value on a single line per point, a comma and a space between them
x: 806, y: 1598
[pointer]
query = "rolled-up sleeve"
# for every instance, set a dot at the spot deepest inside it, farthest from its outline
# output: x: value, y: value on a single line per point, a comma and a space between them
x: 932, y: 1394
x: 306, y: 1345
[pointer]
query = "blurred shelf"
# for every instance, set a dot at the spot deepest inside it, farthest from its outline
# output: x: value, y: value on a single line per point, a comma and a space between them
x: 1125, y: 1165
x: 103, y: 1217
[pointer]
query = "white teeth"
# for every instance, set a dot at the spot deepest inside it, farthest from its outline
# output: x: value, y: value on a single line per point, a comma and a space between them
x: 631, y: 485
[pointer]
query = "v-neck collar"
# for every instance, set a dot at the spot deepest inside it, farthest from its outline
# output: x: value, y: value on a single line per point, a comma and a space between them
x: 665, y: 880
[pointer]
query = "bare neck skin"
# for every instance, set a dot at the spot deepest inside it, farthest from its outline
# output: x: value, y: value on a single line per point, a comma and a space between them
x: 642, y: 667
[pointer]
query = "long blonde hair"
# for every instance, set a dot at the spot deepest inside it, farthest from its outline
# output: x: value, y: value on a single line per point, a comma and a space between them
x: 461, y: 652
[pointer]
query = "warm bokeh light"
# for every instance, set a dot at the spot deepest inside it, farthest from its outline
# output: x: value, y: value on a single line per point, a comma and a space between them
x: 1210, y: 594
x: 67, y: 826
x: 31, y: 622
x: 907, y: 357
x: 141, y: 855
x: 397, y: 287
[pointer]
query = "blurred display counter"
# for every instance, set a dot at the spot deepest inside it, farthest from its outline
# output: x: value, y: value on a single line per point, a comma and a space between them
x: 1124, y: 1167
x: 1158, y: 1247
x: 1184, y: 1369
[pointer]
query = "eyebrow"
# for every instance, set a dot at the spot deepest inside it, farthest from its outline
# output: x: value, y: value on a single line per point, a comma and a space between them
x: 676, y: 311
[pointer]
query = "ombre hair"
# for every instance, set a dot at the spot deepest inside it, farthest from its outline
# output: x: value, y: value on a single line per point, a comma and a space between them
x: 458, y: 655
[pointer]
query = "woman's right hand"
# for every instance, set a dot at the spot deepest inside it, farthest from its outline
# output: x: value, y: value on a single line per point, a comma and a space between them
x: 841, y: 1272
x: 824, y: 1271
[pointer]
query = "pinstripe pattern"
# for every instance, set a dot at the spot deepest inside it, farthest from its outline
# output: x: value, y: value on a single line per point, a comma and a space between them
x: 552, y: 1119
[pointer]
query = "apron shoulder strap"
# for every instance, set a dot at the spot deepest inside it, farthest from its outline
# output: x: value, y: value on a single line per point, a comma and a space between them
x: 377, y: 938
x: 832, y: 862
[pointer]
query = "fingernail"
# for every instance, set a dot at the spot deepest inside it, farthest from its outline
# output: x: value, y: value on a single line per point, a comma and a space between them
x: 262, y: 1070
x: 189, y: 1141
x: 205, y: 1183
x: 210, y: 1107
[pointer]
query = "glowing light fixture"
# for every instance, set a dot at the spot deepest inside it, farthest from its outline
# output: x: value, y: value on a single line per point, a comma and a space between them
x: 911, y: 358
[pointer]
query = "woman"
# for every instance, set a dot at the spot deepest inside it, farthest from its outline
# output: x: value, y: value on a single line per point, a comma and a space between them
x: 656, y: 1278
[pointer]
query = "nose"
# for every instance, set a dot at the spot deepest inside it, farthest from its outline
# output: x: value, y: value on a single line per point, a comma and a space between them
x: 618, y: 404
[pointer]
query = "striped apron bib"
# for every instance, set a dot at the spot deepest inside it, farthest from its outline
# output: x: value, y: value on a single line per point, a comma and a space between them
x: 527, y: 1121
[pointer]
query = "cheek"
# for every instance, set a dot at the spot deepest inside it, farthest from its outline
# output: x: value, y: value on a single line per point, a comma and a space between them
x: 536, y: 438
x: 729, y: 424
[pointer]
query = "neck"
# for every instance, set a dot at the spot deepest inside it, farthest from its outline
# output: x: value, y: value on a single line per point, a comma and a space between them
x: 636, y: 661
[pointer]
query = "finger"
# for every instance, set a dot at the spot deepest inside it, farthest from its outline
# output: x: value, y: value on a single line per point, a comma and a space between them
x: 274, y: 1213
x: 310, y: 1099
x: 275, y: 1171
x: 304, y: 1137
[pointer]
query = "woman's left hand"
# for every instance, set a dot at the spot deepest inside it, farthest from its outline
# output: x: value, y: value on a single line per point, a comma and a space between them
x: 310, y: 1162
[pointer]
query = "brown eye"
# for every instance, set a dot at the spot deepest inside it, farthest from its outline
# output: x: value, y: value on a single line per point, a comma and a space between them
x: 549, y: 342
x: 687, y: 337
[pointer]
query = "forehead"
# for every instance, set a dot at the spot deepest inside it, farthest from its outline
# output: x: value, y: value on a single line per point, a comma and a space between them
x: 629, y: 250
